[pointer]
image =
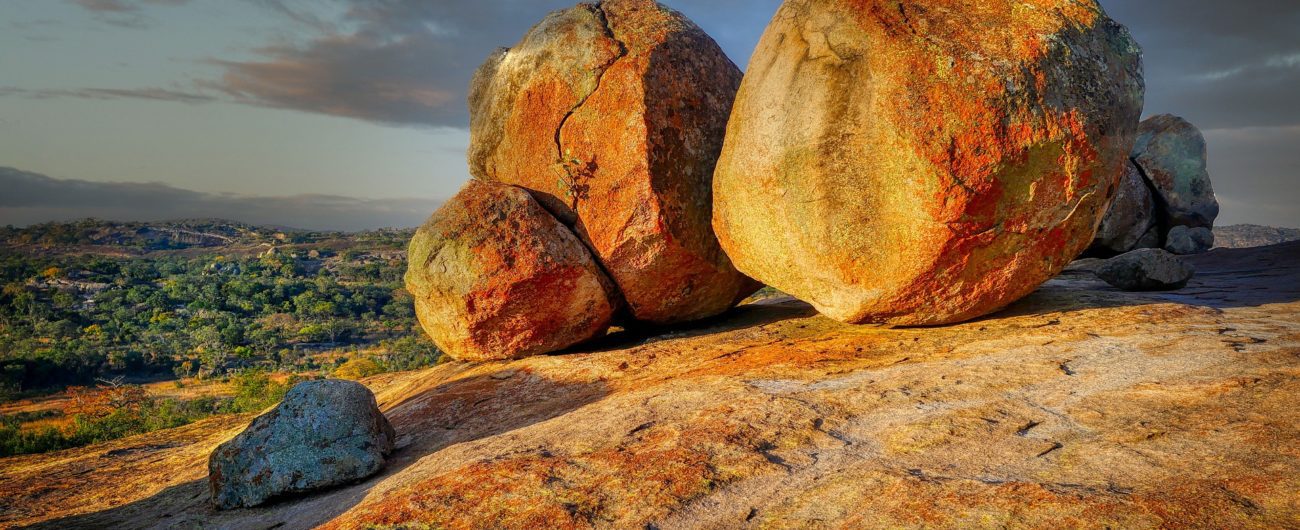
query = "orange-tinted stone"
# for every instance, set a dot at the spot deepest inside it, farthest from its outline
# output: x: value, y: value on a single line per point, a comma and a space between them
x: 495, y: 276
x: 613, y: 116
x: 925, y: 162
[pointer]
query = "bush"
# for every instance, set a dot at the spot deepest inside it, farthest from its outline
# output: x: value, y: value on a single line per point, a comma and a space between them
x: 358, y: 368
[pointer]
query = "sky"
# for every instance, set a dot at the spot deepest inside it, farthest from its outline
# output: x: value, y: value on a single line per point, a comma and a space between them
x: 351, y: 114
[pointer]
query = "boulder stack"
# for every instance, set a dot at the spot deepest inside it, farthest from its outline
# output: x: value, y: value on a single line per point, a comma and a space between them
x: 925, y: 162
x: 1169, y: 160
x: 323, y: 434
x: 496, y: 277
x: 612, y: 114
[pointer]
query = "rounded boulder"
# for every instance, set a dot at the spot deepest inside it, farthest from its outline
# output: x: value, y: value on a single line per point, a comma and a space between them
x: 925, y: 162
x: 323, y: 434
x: 1171, y: 153
x: 495, y: 276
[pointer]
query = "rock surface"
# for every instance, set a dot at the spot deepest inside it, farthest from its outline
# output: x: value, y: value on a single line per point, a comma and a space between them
x: 1147, y: 269
x: 1080, y: 406
x: 324, y: 433
x: 1183, y: 240
x: 1171, y: 153
x: 613, y: 114
x: 925, y: 163
x: 1130, y: 221
x: 495, y: 276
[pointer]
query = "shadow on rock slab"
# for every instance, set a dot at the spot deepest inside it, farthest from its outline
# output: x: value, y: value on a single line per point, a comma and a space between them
x: 454, y: 412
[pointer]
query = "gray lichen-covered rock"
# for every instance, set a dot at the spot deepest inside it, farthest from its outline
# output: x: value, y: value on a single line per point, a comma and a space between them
x: 1171, y: 153
x: 323, y: 434
x: 1146, y: 270
x: 1130, y: 217
x: 1184, y: 241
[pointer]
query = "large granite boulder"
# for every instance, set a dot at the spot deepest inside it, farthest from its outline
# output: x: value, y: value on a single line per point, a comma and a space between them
x: 495, y: 276
x: 1184, y: 241
x: 1171, y: 153
x: 613, y: 115
x: 1148, y: 269
x: 1130, y: 221
x: 324, y: 433
x: 925, y: 162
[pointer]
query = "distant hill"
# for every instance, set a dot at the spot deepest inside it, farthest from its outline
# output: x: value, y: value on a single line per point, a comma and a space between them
x: 1246, y: 236
x: 93, y: 236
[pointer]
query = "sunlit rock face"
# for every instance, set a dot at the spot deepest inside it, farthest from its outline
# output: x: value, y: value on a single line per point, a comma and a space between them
x: 613, y: 116
x: 495, y: 277
x: 925, y: 162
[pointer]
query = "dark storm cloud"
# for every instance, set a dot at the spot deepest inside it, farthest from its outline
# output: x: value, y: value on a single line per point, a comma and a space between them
x: 32, y: 198
x: 1220, y: 64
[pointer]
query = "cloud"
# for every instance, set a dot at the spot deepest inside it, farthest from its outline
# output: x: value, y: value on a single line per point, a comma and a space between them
x: 1220, y: 64
x: 124, y: 13
x: 155, y: 94
x: 409, y: 62
x: 34, y: 198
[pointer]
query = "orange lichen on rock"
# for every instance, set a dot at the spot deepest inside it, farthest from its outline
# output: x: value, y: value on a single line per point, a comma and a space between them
x: 613, y: 115
x: 495, y: 276
x: 918, y: 163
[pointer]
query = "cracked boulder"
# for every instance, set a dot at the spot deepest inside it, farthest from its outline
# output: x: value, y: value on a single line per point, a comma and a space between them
x: 613, y: 115
x: 1131, y: 217
x: 1171, y: 153
x: 925, y: 162
x: 495, y: 276
x: 323, y: 434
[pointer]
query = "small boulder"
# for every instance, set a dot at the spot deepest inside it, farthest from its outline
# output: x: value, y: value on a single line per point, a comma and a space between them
x: 495, y: 276
x: 612, y: 114
x: 925, y: 162
x: 324, y: 433
x: 1147, y: 269
x: 1185, y: 241
x: 1130, y: 217
x: 1171, y: 154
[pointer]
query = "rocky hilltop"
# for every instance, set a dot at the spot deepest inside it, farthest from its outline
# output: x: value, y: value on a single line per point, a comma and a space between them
x: 1079, y: 406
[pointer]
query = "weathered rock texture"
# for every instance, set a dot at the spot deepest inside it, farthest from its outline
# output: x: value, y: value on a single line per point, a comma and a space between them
x: 323, y: 434
x: 495, y: 276
x: 1183, y: 240
x: 1148, y: 269
x: 613, y: 114
x: 1130, y: 221
x: 1081, y: 406
x: 925, y: 162
x: 1171, y: 153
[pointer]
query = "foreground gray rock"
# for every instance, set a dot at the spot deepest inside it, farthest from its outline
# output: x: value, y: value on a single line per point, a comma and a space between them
x: 1171, y: 154
x: 323, y: 434
x: 1184, y: 241
x: 1147, y: 269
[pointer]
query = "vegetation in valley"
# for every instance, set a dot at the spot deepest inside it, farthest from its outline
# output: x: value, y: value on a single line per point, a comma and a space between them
x: 88, y: 302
